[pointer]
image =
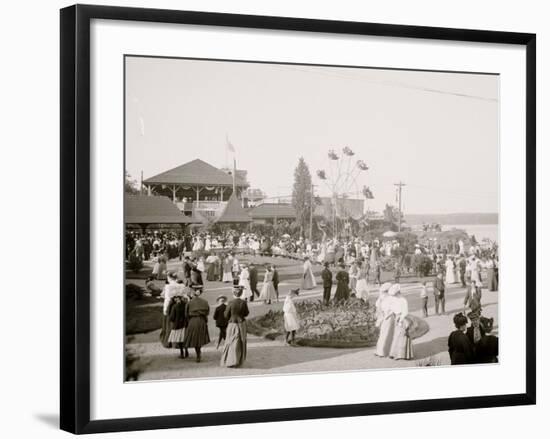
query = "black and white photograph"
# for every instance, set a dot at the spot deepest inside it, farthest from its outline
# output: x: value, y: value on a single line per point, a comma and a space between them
x: 295, y: 218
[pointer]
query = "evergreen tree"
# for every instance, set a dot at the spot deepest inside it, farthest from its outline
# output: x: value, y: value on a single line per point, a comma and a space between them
x: 301, y: 194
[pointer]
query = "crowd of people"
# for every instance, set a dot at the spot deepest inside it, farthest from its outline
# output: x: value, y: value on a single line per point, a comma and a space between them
x: 351, y: 264
x: 185, y: 321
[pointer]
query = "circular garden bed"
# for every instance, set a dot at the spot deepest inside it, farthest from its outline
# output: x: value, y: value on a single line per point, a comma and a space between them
x: 349, y: 324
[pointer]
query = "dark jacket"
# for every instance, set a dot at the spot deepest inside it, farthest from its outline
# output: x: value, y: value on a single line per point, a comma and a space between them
x: 439, y: 285
x: 276, y: 279
x: 219, y: 316
x: 326, y: 275
x: 198, y: 307
x: 236, y: 311
x: 461, y: 349
x: 196, y: 276
x: 253, y: 277
x: 178, y: 315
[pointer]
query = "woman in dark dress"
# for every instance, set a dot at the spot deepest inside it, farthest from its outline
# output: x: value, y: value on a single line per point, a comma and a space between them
x: 461, y: 349
x: 196, y: 334
x: 485, y: 345
x: 196, y: 276
x: 342, y: 286
x: 178, y: 318
x: 234, y: 349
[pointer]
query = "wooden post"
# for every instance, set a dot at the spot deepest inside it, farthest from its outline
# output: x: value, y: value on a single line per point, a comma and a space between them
x: 174, y: 190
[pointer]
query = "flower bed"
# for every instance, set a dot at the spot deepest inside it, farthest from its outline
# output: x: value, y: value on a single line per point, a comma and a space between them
x: 349, y: 324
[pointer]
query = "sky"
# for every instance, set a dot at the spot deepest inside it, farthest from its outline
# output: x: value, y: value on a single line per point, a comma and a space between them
x: 435, y: 131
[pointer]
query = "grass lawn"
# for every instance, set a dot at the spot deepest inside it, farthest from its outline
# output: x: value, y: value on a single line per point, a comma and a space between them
x: 143, y: 315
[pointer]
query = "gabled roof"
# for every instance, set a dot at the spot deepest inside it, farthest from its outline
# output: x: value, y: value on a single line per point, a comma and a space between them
x: 273, y: 210
x: 143, y: 209
x: 196, y: 172
x: 234, y: 212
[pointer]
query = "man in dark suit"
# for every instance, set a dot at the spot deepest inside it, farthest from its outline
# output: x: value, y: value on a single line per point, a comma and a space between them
x: 253, y: 273
x: 439, y: 293
x: 187, y: 267
x: 462, y: 267
x: 275, y: 280
x: 326, y: 275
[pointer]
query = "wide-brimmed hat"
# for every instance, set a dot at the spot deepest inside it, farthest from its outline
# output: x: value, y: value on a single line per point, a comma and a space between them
x: 385, y: 287
x: 222, y: 297
x: 395, y: 288
x: 197, y: 288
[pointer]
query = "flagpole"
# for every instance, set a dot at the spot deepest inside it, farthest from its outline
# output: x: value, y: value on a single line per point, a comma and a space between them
x: 225, y: 149
x: 234, y: 172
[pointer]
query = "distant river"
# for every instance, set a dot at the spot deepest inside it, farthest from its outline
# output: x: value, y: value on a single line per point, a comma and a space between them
x: 480, y: 231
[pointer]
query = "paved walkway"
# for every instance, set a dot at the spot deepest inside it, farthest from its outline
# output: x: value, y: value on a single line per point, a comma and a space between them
x: 274, y: 357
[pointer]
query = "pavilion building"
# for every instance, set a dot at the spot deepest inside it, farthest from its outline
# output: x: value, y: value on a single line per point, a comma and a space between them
x: 201, y: 191
x: 146, y: 211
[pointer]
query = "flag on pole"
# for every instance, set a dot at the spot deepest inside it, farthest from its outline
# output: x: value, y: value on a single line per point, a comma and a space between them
x: 230, y: 146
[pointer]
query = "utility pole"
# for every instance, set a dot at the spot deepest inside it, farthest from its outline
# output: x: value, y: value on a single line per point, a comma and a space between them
x: 400, y: 186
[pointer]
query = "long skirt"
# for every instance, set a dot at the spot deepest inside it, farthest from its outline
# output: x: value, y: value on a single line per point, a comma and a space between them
x: 291, y: 321
x: 450, y: 276
x: 212, y: 272
x: 352, y: 283
x: 385, y: 338
x: 268, y: 292
x: 165, y: 331
x: 362, y: 289
x: 176, y: 336
x: 247, y: 291
x: 401, y: 348
x: 492, y: 283
x: 308, y: 280
x: 227, y: 276
x: 342, y: 292
x: 234, y: 349
x: 196, y: 334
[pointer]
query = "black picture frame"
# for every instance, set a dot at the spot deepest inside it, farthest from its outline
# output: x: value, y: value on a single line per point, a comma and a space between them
x: 75, y: 217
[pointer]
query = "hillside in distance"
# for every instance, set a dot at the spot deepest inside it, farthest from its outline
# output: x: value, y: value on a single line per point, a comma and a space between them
x: 452, y: 218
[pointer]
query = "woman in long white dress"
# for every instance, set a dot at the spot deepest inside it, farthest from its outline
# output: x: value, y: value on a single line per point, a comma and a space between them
x: 308, y: 278
x: 385, y: 321
x: 401, y: 347
x: 227, y: 269
x: 450, y: 271
x: 268, y: 293
x: 362, y: 287
x: 244, y: 281
x: 291, y: 320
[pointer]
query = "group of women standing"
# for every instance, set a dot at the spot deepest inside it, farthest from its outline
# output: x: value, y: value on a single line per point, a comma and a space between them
x: 394, y: 340
x: 185, y: 322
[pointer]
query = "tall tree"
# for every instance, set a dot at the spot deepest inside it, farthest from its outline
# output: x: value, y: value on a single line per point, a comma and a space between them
x: 391, y: 214
x: 301, y: 194
x: 130, y: 185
